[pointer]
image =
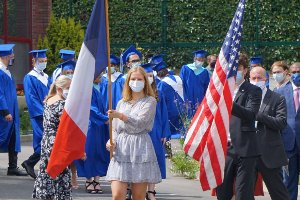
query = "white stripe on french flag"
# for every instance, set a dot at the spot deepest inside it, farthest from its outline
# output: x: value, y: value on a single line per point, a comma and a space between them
x: 70, y: 139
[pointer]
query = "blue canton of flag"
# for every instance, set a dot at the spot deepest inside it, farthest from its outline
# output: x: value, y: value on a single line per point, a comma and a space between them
x: 232, y: 43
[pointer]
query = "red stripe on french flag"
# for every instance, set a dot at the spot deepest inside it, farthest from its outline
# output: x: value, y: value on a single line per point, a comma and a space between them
x: 68, y: 147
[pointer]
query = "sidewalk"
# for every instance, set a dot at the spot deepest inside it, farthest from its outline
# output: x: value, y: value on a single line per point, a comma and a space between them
x: 175, y: 188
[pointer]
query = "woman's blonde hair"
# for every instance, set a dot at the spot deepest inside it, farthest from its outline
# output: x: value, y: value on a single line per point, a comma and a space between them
x: 127, y: 92
x: 61, y: 82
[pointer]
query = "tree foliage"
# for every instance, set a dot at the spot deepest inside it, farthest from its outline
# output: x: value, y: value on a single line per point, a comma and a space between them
x: 61, y: 34
x: 178, y: 27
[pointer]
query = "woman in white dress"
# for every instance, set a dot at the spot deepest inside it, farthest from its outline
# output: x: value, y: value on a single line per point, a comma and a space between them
x: 134, y: 159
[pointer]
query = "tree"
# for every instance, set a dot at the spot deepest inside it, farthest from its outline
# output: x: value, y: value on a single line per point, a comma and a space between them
x: 60, y: 34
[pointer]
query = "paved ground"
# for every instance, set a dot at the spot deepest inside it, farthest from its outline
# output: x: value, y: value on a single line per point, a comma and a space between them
x: 175, y: 188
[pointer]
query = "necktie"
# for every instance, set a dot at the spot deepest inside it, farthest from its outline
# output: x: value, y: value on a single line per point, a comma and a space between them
x: 296, y: 99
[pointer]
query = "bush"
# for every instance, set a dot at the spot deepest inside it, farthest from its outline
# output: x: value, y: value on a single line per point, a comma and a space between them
x: 25, y: 125
x: 61, y: 34
x: 184, y: 165
x: 177, y: 27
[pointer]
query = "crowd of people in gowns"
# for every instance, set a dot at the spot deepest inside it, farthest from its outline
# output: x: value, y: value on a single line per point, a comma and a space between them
x: 170, y: 92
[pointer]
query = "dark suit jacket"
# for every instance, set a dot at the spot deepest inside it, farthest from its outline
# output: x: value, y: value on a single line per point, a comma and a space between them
x: 242, y: 124
x: 271, y: 120
x: 291, y: 133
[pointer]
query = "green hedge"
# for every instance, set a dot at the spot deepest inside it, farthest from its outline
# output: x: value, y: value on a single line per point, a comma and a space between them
x: 178, y: 27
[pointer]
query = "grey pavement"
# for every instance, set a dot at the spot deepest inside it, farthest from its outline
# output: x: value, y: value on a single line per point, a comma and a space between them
x: 174, y: 187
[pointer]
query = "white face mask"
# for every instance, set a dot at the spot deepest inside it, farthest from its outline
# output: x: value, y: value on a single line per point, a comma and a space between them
x: 136, y: 86
x: 11, y: 62
x: 239, y: 77
x: 136, y: 64
x: 70, y: 76
x: 279, y: 77
x: 65, y: 94
x: 198, y: 64
x: 41, y: 66
x: 112, y: 70
x: 261, y: 84
x: 150, y: 80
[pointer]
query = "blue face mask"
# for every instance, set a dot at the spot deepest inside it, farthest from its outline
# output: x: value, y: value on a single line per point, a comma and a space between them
x: 296, y: 79
x: 239, y: 77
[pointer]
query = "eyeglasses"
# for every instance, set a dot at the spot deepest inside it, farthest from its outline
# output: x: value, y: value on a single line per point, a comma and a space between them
x: 295, y: 72
x: 134, y: 61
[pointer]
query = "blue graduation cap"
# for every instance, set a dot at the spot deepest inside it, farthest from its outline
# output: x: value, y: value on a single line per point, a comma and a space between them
x: 128, y: 52
x: 256, y: 60
x: 200, y: 53
x: 114, y: 59
x: 68, y: 65
x: 157, y: 58
x: 39, y: 53
x: 66, y: 54
x: 160, y: 66
x: 148, y: 67
x: 6, y: 49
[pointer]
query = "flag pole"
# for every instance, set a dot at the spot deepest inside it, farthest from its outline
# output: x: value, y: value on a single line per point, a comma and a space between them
x: 109, y: 77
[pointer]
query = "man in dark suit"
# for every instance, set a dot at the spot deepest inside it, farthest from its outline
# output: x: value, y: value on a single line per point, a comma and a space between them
x: 242, y: 148
x: 271, y: 120
x: 291, y: 133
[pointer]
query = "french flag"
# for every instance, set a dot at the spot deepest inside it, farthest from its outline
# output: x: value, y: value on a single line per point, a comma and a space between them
x: 70, y: 140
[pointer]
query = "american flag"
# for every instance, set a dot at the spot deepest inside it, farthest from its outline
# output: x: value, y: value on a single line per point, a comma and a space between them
x: 206, y: 139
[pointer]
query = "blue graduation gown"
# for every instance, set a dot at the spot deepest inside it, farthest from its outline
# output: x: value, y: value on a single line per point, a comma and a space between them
x: 173, y: 102
x: 9, y: 102
x: 194, y: 86
x: 157, y: 80
x: 35, y: 93
x: 97, y: 160
x: 161, y: 129
x: 116, y: 88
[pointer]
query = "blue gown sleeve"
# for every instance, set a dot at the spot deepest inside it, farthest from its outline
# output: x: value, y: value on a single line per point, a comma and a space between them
x: 166, y: 132
x: 35, y: 107
x: 96, y: 116
x: 3, y: 104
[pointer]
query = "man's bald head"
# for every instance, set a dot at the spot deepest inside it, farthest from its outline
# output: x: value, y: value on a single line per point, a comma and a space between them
x: 258, y: 74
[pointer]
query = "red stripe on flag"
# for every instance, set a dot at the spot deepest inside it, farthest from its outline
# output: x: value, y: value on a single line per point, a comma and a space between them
x: 69, y: 145
x: 209, y: 117
x: 188, y: 144
x: 220, y: 72
x: 222, y: 132
x: 203, y: 178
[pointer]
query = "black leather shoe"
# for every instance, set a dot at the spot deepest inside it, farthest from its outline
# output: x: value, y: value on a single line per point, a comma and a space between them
x: 29, y: 170
x: 15, y: 172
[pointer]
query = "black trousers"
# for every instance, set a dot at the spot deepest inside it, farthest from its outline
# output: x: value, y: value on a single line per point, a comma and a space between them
x: 273, y: 180
x: 33, y: 159
x: 242, y: 171
x: 12, y: 154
